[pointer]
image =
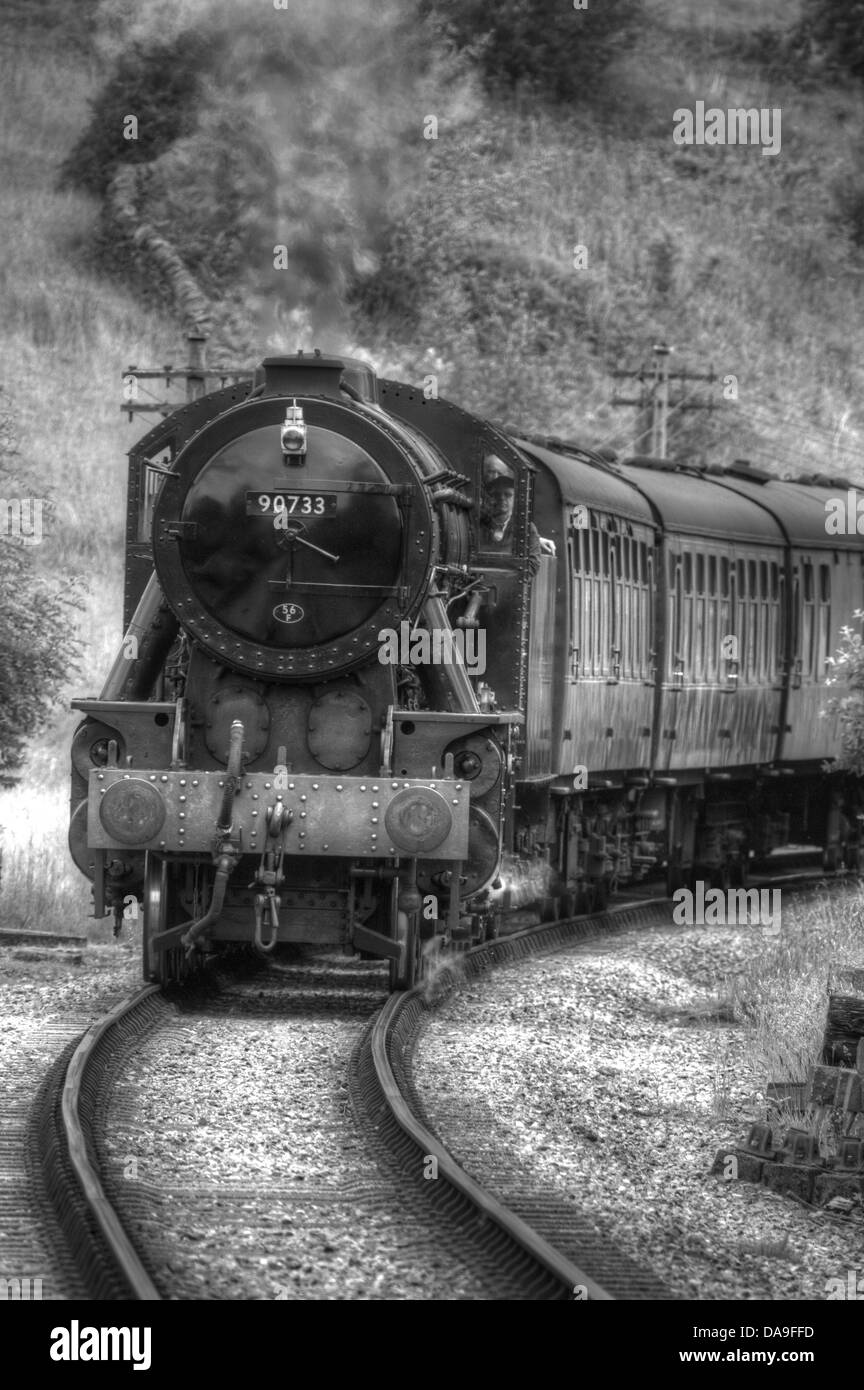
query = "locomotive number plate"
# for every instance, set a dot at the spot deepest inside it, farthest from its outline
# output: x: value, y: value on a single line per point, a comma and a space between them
x: 291, y: 503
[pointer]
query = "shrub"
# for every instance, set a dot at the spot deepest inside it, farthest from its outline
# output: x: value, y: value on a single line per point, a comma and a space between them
x: 848, y: 672
x: 160, y: 87
x: 37, y: 650
x: 832, y: 34
x: 849, y: 206
x: 545, y: 46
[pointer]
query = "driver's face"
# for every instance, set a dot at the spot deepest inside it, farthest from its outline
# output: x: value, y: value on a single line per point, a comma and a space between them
x: 501, y: 503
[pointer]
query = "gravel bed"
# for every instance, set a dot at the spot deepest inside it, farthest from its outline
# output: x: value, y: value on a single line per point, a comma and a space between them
x: 47, y: 998
x: 238, y: 1167
x: 607, y: 1074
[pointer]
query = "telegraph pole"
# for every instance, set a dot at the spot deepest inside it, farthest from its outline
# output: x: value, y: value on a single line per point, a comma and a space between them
x: 660, y: 400
x: 653, y: 400
x: 196, y: 377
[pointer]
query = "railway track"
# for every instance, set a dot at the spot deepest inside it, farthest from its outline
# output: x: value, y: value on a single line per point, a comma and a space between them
x: 543, y: 1251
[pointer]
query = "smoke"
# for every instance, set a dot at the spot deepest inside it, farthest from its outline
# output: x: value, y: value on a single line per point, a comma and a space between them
x: 524, y: 883
x: 442, y: 971
x: 339, y: 93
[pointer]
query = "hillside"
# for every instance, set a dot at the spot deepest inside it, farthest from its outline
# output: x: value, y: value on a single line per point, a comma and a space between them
x: 67, y: 334
x: 456, y: 254
x: 452, y: 257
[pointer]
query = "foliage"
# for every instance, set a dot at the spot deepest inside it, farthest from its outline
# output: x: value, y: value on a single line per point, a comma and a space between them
x: 37, y: 647
x: 780, y: 994
x: 158, y: 85
x: 218, y: 186
x: 849, y: 707
x: 849, y: 203
x: 546, y: 46
x: 831, y: 36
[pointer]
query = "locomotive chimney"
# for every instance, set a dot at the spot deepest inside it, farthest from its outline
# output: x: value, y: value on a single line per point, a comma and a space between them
x: 311, y: 374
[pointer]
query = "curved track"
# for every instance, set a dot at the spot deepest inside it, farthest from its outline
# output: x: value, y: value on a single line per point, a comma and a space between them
x: 541, y: 1252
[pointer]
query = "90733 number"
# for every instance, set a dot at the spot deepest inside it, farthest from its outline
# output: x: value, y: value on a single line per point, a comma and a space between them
x: 291, y: 503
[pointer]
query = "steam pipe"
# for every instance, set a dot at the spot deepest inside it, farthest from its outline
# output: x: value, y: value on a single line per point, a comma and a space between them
x: 229, y: 854
x: 224, y: 867
x: 232, y: 777
x: 454, y: 672
x: 153, y: 628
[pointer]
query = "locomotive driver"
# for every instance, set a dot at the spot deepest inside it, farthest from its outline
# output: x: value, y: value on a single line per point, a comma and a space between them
x: 496, y: 521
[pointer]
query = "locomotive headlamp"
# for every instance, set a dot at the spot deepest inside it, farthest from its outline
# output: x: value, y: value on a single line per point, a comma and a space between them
x: 132, y: 811
x: 418, y: 819
x: 292, y: 436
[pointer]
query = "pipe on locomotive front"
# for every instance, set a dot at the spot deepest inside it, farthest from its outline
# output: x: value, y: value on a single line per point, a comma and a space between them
x: 152, y: 629
x: 455, y: 673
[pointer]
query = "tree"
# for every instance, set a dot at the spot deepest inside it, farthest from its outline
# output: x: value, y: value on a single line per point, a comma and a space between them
x: 550, y: 47
x: 149, y: 101
x: 831, y: 32
x: 38, y: 649
x: 848, y: 672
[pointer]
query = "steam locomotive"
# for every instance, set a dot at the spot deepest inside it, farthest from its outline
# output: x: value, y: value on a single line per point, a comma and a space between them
x: 360, y: 703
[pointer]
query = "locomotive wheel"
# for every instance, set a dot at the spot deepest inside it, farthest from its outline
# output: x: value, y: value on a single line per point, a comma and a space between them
x: 166, y: 966
x: 675, y: 876
x: 831, y: 858
x: 569, y: 905
x: 595, y: 895
x: 404, y: 971
x: 548, y: 910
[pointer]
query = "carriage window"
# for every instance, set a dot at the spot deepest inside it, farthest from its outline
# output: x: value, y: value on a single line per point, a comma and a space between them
x: 764, y: 622
x: 751, y: 624
x: 686, y: 628
x: 724, y: 578
x: 808, y: 582
x: 601, y: 618
x: 644, y: 613
x: 824, y: 642
x: 699, y: 622
x: 773, y: 629
x: 808, y: 648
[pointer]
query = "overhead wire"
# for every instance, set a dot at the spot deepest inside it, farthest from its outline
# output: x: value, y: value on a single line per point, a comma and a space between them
x: 819, y: 435
x: 636, y: 438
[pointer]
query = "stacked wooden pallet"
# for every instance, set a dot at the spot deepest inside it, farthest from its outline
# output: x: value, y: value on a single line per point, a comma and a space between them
x: 836, y: 1084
